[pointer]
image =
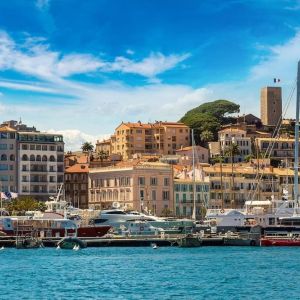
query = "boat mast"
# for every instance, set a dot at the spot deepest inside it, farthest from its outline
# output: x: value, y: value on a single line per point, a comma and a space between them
x: 194, y: 178
x: 296, y: 163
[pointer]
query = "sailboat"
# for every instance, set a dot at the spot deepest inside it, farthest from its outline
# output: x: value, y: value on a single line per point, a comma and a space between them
x: 290, y: 238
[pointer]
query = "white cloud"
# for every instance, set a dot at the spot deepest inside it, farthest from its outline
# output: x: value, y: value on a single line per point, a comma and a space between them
x: 151, y: 66
x: 35, y: 58
x: 74, y: 138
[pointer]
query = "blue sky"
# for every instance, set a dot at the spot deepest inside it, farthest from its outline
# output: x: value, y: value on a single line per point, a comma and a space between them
x: 81, y: 67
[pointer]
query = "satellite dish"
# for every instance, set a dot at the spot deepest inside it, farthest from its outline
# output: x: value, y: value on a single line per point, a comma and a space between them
x: 116, y: 205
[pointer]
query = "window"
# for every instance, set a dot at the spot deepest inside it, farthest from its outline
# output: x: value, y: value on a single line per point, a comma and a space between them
x: 24, y: 147
x: 3, y: 157
x: 3, y: 146
x: 38, y: 147
x: 177, y: 198
x: 153, y: 181
x: 153, y: 193
x: 3, y: 167
x: 166, y: 195
x: 32, y: 147
x: 177, y: 187
x: 166, y: 181
x: 141, y: 180
x: 142, y: 195
x: 44, y: 148
x: 11, y: 146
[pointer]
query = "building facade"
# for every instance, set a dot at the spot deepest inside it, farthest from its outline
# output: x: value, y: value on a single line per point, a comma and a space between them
x: 76, y: 185
x: 185, y: 154
x: 230, y: 188
x: 141, y: 186
x: 184, y: 197
x: 160, y: 138
x: 270, y: 105
x: 32, y: 162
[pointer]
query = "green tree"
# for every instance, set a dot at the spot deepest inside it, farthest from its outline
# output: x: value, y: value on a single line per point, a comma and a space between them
x: 210, y: 116
x: 22, y: 204
x: 102, y: 155
x: 87, y: 147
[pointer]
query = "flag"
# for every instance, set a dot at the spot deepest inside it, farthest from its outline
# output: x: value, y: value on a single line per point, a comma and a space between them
x: 9, y: 195
x: 3, y: 196
x: 276, y: 80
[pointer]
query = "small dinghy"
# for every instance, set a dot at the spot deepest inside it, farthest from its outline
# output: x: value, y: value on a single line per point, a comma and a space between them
x: 72, y: 243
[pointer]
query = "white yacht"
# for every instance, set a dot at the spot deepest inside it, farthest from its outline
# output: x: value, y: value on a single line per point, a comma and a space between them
x: 117, y: 218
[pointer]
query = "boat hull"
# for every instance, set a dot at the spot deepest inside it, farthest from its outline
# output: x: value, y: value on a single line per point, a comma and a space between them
x: 280, y: 242
x: 82, y: 232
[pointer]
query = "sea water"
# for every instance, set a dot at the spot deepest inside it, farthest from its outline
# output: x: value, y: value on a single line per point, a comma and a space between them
x: 146, y: 273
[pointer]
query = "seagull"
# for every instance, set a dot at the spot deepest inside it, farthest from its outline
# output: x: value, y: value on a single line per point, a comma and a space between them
x: 58, y: 247
x: 2, y: 248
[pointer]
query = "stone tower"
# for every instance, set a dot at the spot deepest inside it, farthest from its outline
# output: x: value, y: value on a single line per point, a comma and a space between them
x: 270, y: 105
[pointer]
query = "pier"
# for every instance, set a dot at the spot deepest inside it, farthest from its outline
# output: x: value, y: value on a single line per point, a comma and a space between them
x: 119, y: 241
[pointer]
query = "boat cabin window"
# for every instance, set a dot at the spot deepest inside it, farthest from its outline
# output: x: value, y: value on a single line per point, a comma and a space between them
x: 117, y: 212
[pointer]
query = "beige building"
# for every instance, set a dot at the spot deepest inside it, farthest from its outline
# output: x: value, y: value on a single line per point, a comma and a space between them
x: 160, y: 138
x: 32, y: 162
x: 141, y: 186
x: 228, y: 136
x: 8, y: 157
x: 280, y: 149
x: 270, y: 105
x: 104, y: 146
x: 185, y: 154
x: 246, y: 183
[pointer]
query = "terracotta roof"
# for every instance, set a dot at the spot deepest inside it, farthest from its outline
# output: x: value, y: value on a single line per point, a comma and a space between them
x: 78, y: 168
x: 6, y: 128
x: 190, y: 148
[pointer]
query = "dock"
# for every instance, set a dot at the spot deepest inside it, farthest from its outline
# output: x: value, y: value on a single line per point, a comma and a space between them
x: 120, y: 241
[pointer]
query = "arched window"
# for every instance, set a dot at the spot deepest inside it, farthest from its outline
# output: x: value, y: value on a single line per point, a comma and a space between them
x: 12, y: 157
x: 44, y: 158
x: 24, y: 157
x: 52, y: 158
x: 32, y: 158
x: 3, y: 157
x: 38, y: 158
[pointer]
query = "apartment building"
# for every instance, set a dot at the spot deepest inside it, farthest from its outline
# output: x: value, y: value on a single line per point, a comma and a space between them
x: 142, y: 186
x: 184, y: 196
x: 104, y: 146
x: 230, y: 188
x: 76, y: 185
x: 8, y: 157
x: 278, y: 149
x: 230, y: 136
x: 185, y: 154
x: 162, y: 138
x: 32, y: 162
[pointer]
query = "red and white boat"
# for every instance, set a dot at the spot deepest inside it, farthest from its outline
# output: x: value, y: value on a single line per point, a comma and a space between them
x: 21, y: 226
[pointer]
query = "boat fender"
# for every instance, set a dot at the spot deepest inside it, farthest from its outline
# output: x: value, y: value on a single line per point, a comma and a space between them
x: 142, y: 228
x: 222, y: 211
x: 252, y: 243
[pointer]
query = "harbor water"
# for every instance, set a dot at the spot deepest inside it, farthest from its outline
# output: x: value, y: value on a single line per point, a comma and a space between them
x: 146, y: 273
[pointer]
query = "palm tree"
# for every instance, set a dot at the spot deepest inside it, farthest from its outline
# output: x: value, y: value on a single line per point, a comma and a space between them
x: 87, y: 147
x: 206, y: 136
